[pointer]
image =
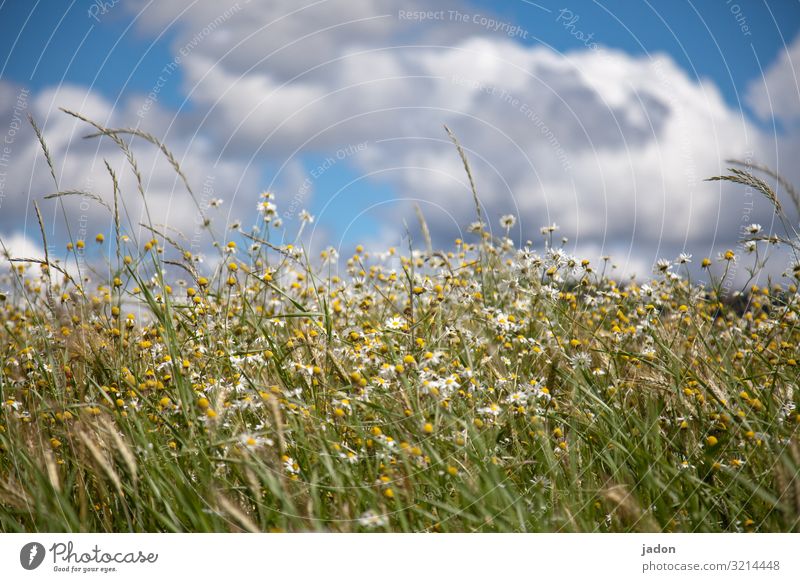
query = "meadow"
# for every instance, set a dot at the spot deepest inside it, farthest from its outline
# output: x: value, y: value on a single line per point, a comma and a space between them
x: 483, y: 387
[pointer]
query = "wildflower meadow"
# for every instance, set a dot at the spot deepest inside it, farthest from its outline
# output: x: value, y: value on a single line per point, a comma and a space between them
x: 487, y: 386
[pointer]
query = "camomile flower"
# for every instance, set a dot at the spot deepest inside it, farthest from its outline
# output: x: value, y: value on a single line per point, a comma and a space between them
x: 290, y: 465
x: 507, y: 221
x: 395, y: 323
x: 684, y: 258
x: 434, y: 358
x: 492, y: 410
x: 251, y: 441
x: 305, y: 216
x: 371, y: 519
x: 329, y: 255
x: 581, y: 360
x: 349, y: 456
x: 504, y: 321
x: 662, y: 266
x: 267, y: 209
x: 753, y: 228
x: 540, y: 392
x: 517, y: 398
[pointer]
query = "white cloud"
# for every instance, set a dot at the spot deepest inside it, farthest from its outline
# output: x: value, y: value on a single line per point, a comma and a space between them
x: 19, y: 246
x: 777, y: 94
x: 610, y: 146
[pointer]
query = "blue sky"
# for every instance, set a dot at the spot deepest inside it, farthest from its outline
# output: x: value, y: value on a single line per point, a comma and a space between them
x: 725, y: 47
x: 55, y: 41
x: 46, y: 42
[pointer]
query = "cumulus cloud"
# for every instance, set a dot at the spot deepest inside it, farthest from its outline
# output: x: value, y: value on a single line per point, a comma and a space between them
x: 610, y: 146
x: 777, y: 94
x: 613, y: 147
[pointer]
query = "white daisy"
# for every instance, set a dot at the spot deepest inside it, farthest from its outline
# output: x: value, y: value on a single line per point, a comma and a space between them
x: 395, y: 322
x: 507, y: 221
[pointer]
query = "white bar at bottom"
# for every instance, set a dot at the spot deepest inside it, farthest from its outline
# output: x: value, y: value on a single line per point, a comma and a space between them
x: 406, y: 557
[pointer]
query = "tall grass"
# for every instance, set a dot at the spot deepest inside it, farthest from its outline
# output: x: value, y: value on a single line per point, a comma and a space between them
x: 480, y: 388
